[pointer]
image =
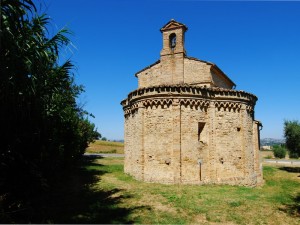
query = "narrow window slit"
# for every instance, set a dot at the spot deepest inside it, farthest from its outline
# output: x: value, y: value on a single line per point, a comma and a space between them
x: 200, y: 129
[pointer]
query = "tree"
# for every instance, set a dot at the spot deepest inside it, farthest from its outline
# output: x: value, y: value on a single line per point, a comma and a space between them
x: 292, y: 136
x: 279, y: 151
x: 43, y: 130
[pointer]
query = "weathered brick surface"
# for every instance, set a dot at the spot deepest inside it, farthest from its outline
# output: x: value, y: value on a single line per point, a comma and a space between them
x: 178, y: 69
x: 197, y: 73
x: 186, y: 125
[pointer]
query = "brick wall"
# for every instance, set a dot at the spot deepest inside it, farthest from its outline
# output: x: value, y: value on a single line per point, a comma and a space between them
x: 163, y: 142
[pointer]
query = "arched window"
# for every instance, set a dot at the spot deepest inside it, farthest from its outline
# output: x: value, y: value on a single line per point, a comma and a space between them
x: 172, y: 40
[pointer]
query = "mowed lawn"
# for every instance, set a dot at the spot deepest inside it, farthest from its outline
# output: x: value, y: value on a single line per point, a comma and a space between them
x: 106, y: 147
x: 101, y: 193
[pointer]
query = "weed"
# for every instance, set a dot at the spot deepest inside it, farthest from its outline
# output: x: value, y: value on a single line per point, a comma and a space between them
x: 235, y: 203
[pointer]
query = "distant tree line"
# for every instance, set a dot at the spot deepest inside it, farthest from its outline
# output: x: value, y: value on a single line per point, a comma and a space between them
x: 42, y: 128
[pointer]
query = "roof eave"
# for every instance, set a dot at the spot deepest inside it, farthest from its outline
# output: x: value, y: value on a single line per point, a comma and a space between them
x: 181, y: 25
x: 153, y: 64
x: 216, y: 68
x: 223, y: 74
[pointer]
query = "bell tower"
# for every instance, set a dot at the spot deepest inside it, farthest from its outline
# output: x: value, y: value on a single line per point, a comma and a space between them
x: 173, y: 38
x: 173, y: 52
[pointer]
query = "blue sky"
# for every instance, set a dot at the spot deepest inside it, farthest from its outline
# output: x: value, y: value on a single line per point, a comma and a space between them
x: 257, y: 44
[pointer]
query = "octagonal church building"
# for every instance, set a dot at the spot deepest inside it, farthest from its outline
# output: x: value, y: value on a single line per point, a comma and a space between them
x: 186, y: 124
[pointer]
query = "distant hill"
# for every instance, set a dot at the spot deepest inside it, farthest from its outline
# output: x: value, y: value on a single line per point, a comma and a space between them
x: 271, y: 141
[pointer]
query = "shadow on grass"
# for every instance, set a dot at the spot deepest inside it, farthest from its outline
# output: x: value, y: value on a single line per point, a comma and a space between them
x: 291, y: 169
x: 293, y: 209
x: 75, y: 199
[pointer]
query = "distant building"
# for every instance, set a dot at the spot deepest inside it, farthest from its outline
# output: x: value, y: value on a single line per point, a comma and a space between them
x: 266, y: 147
x: 186, y: 124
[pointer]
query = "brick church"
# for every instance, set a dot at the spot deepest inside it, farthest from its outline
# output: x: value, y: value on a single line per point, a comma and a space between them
x: 186, y: 124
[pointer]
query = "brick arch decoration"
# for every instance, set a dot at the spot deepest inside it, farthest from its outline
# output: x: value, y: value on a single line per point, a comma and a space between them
x: 157, y: 102
x: 195, y: 104
x: 228, y: 106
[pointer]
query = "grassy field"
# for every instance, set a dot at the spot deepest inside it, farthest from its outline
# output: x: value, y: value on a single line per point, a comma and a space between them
x: 99, y: 192
x: 106, y: 147
x: 266, y: 154
x: 277, y: 202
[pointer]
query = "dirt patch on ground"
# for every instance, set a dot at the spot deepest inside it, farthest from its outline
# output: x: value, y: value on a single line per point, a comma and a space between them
x: 156, y: 202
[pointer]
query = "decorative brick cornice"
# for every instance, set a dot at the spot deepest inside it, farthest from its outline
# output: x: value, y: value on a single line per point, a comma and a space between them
x: 189, y: 96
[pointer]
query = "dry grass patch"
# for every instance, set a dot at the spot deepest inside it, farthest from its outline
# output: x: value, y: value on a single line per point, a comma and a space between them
x: 106, y: 147
x: 266, y: 154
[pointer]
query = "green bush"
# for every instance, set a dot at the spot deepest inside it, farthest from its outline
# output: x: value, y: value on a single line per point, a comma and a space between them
x: 279, y: 151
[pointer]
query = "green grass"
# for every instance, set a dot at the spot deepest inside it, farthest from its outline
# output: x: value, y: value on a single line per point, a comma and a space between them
x: 276, y: 201
x: 99, y: 192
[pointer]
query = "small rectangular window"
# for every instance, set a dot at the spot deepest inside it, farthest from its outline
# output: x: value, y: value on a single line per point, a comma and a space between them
x: 200, y: 129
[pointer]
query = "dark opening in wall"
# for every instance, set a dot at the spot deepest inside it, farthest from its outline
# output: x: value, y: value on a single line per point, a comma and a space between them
x: 200, y: 129
x: 172, y: 39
